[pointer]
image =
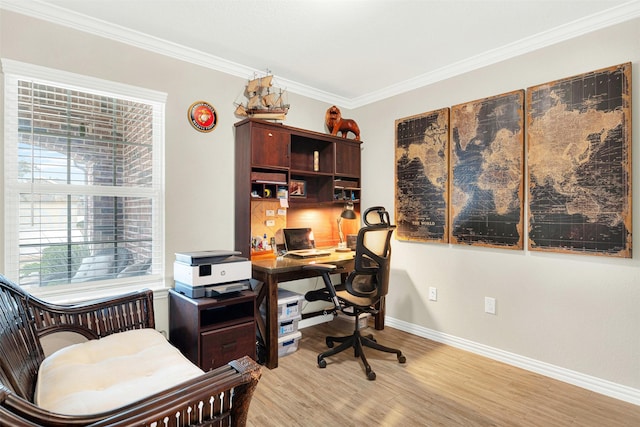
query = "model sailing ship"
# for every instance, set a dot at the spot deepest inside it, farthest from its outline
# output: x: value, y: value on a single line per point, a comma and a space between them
x: 264, y: 101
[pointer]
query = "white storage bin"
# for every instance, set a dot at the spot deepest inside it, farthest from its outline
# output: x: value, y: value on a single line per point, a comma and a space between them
x: 287, y: 326
x: 289, y: 304
x: 288, y: 344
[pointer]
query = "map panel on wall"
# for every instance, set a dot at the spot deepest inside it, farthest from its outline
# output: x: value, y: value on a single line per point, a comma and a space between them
x: 422, y: 161
x: 579, y: 138
x: 487, y: 183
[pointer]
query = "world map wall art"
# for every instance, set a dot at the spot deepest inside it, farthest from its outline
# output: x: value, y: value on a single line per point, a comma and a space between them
x: 460, y: 172
x: 422, y: 184
x: 487, y: 150
x: 579, y: 158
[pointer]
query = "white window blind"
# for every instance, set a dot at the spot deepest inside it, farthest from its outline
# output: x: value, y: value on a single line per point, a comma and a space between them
x: 83, y: 179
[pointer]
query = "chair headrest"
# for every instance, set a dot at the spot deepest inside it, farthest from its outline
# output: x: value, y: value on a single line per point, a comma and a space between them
x: 376, y: 216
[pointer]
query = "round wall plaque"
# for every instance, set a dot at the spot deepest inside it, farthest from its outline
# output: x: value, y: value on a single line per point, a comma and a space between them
x: 202, y: 116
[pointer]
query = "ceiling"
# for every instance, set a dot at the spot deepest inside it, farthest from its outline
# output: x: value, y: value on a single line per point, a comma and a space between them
x: 351, y: 52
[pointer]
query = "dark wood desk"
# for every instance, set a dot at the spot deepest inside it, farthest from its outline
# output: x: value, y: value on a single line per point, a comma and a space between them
x: 271, y: 272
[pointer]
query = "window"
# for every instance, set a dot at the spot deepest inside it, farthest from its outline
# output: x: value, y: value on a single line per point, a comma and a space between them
x: 83, y: 180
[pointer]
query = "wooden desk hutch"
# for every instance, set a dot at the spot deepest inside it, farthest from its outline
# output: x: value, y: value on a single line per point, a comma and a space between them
x: 270, y: 157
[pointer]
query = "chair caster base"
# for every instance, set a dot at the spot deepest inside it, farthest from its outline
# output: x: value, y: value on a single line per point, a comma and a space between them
x: 357, y: 342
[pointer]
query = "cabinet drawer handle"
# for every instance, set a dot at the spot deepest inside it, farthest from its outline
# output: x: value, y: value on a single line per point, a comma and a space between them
x: 228, y: 347
x: 270, y: 134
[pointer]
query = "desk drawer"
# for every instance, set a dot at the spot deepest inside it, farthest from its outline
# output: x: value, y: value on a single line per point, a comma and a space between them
x: 221, y: 346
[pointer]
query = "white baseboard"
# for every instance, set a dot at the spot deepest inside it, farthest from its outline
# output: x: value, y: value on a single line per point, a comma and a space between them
x: 598, y: 385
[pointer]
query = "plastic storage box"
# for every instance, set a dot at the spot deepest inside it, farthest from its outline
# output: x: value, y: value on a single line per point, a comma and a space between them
x: 288, y: 326
x: 288, y: 344
x: 289, y: 304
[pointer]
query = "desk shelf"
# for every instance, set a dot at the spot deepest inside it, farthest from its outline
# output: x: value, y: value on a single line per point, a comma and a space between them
x: 270, y: 156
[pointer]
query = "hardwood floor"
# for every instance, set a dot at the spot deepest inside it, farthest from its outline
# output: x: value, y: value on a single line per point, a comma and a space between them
x: 438, y: 386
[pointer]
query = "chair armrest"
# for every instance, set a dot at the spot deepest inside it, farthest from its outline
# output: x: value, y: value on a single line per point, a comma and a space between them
x: 220, y: 394
x: 97, y: 318
x: 326, y: 270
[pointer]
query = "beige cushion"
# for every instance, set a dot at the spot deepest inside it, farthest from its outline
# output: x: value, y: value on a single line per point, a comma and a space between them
x: 99, y: 375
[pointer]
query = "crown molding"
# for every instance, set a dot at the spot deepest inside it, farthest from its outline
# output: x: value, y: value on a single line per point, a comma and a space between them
x: 55, y: 14
x: 610, y: 17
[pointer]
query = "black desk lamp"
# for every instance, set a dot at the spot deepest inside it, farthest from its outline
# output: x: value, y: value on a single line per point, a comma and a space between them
x: 347, y: 213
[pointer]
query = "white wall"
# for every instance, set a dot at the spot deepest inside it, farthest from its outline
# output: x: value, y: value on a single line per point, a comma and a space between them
x: 199, y: 212
x: 579, y: 313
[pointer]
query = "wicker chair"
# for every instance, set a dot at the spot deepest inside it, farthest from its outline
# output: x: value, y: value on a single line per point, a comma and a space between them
x: 218, y: 397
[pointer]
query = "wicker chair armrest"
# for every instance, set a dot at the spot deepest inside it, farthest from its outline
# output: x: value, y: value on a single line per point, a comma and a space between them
x: 220, y: 394
x: 97, y: 318
x: 10, y: 419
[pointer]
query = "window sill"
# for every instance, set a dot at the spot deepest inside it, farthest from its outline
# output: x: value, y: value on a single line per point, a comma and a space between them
x: 69, y: 294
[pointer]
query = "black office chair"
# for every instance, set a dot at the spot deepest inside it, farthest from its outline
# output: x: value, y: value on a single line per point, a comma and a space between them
x: 363, y: 289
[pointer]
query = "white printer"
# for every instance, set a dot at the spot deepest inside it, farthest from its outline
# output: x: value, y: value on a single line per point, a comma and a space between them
x: 211, y: 273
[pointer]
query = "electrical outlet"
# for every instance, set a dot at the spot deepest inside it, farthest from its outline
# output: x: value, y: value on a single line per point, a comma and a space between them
x: 489, y: 305
x: 433, y: 294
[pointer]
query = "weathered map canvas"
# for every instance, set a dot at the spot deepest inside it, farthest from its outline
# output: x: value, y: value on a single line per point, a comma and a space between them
x: 487, y: 155
x: 579, y: 136
x: 422, y: 154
